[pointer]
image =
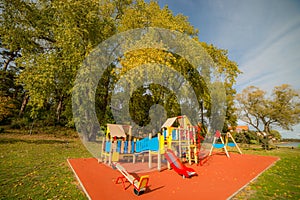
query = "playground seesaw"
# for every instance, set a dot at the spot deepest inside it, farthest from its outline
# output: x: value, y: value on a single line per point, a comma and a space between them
x: 140, y: 184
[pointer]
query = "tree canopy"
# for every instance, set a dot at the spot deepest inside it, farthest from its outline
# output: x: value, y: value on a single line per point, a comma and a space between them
x: 280, y: 109
x: 47, y: 41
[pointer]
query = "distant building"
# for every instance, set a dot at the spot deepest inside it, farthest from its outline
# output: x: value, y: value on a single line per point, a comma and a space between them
x: 239, y: 129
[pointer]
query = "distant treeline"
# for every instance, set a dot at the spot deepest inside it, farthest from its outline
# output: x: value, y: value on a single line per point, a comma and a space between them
x: 290, y: 140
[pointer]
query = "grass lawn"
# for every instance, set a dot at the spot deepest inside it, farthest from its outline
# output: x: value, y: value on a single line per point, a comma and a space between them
x: 35, y: 167
x: 282, y: 181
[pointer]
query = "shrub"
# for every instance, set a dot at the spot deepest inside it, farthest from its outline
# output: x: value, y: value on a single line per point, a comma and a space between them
x: 254, y: 142
x: 19, y: 123
x: 275, y: 134
x: 246, y: 137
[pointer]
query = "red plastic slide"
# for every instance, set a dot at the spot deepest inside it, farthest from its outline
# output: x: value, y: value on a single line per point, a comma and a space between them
x: 175, y: 163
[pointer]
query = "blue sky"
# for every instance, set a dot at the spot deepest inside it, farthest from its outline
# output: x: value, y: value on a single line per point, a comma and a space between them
x: 262, y: 36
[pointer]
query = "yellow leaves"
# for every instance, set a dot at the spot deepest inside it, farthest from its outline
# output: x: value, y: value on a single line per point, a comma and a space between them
x: 150, y: 14
x: 19, y: 183
x: 143, y: 56
x: 6, y: 107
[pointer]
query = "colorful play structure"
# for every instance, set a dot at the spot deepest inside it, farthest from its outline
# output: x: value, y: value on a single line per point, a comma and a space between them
x: 181, y: 137
x: 177, y: 134
x: 119, y: 144
x: 178, y: 142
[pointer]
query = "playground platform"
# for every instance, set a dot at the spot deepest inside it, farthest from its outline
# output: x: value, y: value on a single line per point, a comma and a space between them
x: 219, y: 178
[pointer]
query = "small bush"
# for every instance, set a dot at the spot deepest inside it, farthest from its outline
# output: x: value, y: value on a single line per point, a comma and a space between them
x: 275, y: 134
x: 19, y: 123
x: 254, y: 142
x: 246, y: 137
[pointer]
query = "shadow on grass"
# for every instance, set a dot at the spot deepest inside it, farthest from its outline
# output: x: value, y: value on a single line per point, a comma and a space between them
x: 14, y: 140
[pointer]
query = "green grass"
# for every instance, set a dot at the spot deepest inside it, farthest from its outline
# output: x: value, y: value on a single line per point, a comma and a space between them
x: 35, y: 167
x: 282, y: 181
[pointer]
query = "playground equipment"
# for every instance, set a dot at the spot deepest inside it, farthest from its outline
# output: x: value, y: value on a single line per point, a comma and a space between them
x: 180, y: 135
x: 140, y: 184
x: 120, y: 145
x: 202, y: 152
x: 218, y: 145
x: 231, y: 144
x: 177, y: 134
x: 177, y: 165
x: 117, y: 140
x: 223, y: 145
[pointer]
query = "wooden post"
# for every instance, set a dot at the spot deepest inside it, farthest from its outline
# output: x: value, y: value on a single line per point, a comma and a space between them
x: 110, y: 152
x: 212, y: 146
x: 195, y: 155
x: 179, y: 135
x: 129, y: 144
x: 225, y: 149
x: 194, y: 134
x: 133, y: 159
x: 195, y: 145
x: 102, y: 149
x: 189, y: 145
x: 150, y: 156
x: 229, y: 134
x: 122, y: 147
x: 159, y: 153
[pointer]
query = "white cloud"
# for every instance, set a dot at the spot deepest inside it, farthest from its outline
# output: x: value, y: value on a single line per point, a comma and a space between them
x: 263, y: 37
x: 275, y: 61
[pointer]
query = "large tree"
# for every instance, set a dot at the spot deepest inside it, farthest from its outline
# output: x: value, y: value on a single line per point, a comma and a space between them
x: 229, y: 69
x: 262, y: 111
x: 10, y: 91
x: 53, y: 38
x: 143, y: 15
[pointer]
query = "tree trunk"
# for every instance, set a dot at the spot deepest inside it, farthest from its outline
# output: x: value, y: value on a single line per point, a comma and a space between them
x: 59, y: 108
x: 93, y: 133
x: 89, y: 129
x: 24, y: 103
x: 267, y: 132
x: 267, y: 128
